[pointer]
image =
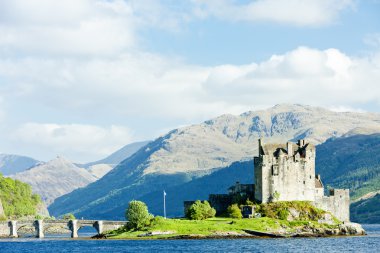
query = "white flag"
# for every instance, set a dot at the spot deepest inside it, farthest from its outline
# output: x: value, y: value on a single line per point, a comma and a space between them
x: 164, y: 193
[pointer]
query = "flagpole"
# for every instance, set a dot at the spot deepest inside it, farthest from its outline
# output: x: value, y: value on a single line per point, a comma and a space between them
x: 164, y: 205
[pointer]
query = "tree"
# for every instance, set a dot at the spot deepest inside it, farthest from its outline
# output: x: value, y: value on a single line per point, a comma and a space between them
x: 200, y: 211
x: 137, y: 214
x: 69, y: 216
x: 234, y: 211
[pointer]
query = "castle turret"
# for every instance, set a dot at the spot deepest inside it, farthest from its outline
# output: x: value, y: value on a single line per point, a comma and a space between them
x: 289, y: 148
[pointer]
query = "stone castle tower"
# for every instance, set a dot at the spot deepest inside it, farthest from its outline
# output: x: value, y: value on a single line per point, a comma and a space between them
x: 286, y: 172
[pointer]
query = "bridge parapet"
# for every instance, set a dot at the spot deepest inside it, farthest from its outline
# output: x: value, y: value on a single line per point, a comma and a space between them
x: 10, y: 228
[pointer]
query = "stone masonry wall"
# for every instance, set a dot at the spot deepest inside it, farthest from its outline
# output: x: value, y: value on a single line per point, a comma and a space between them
x: 338, y: 203
x: 290, y: 175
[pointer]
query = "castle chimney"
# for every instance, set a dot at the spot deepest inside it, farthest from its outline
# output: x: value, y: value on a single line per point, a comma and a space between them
x: 289, y: 146
x: 301, y: 143
x: 260, y: 153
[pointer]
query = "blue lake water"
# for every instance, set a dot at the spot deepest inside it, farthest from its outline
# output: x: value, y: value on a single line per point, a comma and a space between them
x: 369, y: 243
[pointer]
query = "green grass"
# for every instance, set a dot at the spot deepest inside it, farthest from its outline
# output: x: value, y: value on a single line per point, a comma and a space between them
x: 211, y: 226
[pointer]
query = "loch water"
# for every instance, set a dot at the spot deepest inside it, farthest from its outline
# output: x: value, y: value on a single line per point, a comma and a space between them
x: 369, y: 243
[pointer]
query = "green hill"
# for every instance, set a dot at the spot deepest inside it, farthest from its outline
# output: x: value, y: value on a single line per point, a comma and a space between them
x: 367, y: 210
x: 353, y: 162
x: 17, y: 198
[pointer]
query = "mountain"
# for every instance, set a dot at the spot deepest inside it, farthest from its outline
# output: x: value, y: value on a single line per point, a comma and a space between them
x: 11, y: 164
x: 354, y: 162
x: 188, y: 153
x: 102, y: 167
x: 55, y: 178
x: 351, y: 162
x: 366, y: 210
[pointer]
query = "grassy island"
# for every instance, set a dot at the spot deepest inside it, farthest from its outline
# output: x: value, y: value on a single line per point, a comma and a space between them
x: 280, y: 219
x: 215, y: 227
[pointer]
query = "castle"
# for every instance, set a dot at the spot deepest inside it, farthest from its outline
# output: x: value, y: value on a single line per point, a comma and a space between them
x: 285, y: 172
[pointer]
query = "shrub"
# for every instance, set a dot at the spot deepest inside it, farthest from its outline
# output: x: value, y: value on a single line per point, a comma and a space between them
x: 69, y: 216
x: 137, y: 214
x: 158, y: 220
x: 200, y: 211
x: 283, y: 214
x: 248, y: 202
x: 234, y: 211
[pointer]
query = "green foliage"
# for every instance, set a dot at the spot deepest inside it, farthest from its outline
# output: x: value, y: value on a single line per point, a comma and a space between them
x: 283, y: 214
x: 200, y: 211
x: 68, y: 216
x: 367, y: 210
x: 276, y: 195
x: 137, y: 214
x: 234, y: 212
x: 17, y: 198
x: 248, y: 202
x: 353, y: 162
x: 157, y: 221
x: 280, y: 210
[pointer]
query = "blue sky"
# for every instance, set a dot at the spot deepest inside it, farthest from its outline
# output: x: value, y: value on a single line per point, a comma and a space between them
x: 82, y: 78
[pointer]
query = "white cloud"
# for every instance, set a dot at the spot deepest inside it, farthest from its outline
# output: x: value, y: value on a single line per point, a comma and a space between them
x: 293, y: 12
x: 153, y: 86
x: 77, y: 141
x: 373, y: 40
x: 304, y: 75
x: 86, y: 27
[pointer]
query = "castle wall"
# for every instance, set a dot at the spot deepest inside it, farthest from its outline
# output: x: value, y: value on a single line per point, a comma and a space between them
x: 220, y: 202
x: 338, y: 203
x: 292, y: 176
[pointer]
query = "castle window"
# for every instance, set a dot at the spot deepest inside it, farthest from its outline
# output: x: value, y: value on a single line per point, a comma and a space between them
x: 303, y: 182
x: 275, y: 170
x: 310, y: 176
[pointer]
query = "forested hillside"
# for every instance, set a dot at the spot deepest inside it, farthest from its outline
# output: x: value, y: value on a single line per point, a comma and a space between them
x: 351, y: 162
x: 17, y: 198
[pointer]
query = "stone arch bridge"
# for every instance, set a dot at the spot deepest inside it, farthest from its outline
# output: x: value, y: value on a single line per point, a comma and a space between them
x: 40, y: 227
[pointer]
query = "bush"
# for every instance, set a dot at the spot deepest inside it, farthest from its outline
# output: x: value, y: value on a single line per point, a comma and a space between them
x: 69, y: 216
x: 234, y: 211
x: 281, y: 210
x: 157, y: 221
x: 137, y: 214
x: 200, y: 211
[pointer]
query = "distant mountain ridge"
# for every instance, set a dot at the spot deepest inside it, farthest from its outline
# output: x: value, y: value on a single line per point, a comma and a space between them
x: 103, y: 166
x: 60, y: 176
x: 55, y: 178
x: 11, y: 164
x: 119, y: 155
x: 188, y: 153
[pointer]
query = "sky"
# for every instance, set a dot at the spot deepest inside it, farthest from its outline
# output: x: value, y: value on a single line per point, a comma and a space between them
x: 82, y: 78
